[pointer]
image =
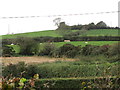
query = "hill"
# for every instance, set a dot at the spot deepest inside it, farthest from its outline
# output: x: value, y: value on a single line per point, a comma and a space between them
x: 53, y: 33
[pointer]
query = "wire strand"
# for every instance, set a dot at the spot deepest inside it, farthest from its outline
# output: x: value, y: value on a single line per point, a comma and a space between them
x: 60, y: 15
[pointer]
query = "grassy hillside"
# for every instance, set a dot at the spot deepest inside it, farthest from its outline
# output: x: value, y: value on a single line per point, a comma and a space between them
x: 53, y: 33
x: 102, y: 32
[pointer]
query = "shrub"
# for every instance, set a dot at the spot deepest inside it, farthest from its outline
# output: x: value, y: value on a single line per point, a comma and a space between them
x: 28, y: 46
x: 114, y: 49
x: 6, y: 41
x: 21, y: 83
x: 14, y: 69
x: 79, y: 83
x: 63, y: 69
x: 68, y: 50
x: 87, y: 50
x: 48, y: 49
x: 31, y: 70
x: 7, y: 51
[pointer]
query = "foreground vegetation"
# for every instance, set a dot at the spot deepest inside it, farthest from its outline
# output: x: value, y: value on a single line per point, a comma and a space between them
x: 61, y: 83
x: 83, y: 67
x: 87, y: 72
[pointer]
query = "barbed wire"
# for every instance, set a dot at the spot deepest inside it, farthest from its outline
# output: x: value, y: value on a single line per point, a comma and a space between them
x: 60, y: 15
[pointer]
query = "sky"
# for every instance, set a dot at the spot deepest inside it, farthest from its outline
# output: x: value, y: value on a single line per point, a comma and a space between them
x: 18, y: 8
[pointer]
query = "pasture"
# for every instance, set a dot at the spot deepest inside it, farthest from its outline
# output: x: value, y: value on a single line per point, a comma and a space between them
x: 84, y: 43
x: 53, y: 33
x: 102, y: 32
x: 75, y: 43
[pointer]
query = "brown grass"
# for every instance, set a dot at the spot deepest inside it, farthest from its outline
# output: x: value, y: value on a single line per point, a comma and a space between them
x: 30, y: 60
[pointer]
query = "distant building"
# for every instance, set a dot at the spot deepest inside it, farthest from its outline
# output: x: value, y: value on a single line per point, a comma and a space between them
x: 86, y: 42
x: 66, y: 40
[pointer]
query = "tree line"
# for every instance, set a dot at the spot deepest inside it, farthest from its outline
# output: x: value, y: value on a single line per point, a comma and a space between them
x: 28, y: 46
x: 64, y: 26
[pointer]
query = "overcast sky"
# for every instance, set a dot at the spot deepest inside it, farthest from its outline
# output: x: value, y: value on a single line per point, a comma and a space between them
x: 18, y: 8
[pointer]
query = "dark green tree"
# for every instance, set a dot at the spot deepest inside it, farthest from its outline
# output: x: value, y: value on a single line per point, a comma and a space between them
x: 101, y: 25
x: 7, y: 51
x: 48, y: 49
x: 91, y: 26
x: 28, y: 46
x: 63, y: 26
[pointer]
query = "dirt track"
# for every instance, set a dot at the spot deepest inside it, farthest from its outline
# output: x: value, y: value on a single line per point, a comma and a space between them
x: 29, y: 60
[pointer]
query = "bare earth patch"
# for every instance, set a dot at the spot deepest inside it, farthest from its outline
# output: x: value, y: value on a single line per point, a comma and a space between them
x: 30, y: 60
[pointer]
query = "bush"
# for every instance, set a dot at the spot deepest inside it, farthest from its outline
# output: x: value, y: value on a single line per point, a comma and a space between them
x: 79, y: 83
x: 14, y: 69
x: 47, y: 50
x: 7, y: 51
x: 6, y: 41
x: 28, y: 46
x: 100, y: 50
x: 63, y: 69
x: 114, y: 49
x: 87, y: 50
x: 20, y: 83
x: 31, y: 70
x: 68, y: 50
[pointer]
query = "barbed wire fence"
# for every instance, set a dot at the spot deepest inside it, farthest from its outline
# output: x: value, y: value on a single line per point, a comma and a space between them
x: 60, y: 15
x: 56, y: 16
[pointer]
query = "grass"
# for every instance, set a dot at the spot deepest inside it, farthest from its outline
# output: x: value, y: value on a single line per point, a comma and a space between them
x: 89, y: 66
x: 102, y: 32
x: 53, y: 33
x: 83, y: 43
x: 16, y: 48
x: 76, y: 43
x: 79, y: 68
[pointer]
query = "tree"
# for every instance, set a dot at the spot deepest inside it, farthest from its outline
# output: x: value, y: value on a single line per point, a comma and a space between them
x: 28, y: 46
x: 48, y: 49
x: 63, y: 29
x: 91, y: 26
x: 101, y: 25
x: 57, y: 21
x: 68, y: 50
x: 85, y: 27
x: 63, y: 26
x: 7, y: 51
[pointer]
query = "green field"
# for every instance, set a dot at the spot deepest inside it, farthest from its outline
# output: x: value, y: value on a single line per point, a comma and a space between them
x: 102, y: 32
x: 76, y: 43
x: 83, y: 43
x: 53, y: 33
